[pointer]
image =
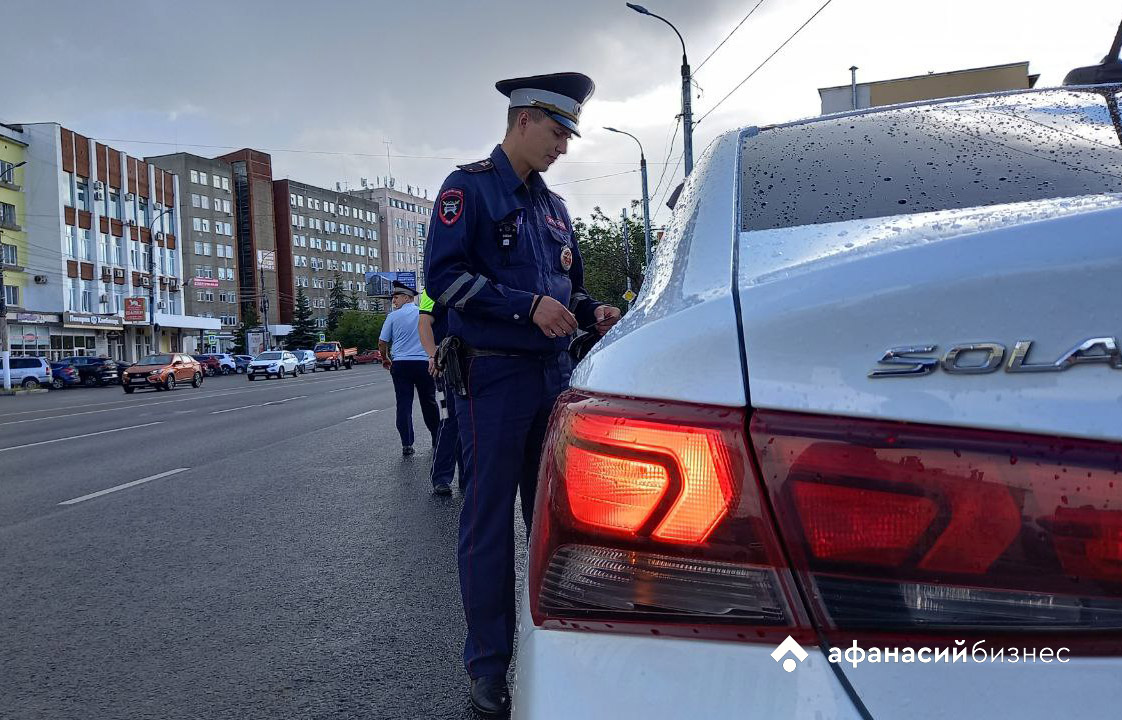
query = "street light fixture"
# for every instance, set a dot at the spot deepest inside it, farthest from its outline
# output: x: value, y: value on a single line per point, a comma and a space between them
x: 687, y: 111
x: 4, y: 352
x: 646, y: 199
x: 155, y: 235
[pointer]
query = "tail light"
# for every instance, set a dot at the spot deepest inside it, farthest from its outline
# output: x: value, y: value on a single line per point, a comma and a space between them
x: 651, y: 518
x: 904, y: 527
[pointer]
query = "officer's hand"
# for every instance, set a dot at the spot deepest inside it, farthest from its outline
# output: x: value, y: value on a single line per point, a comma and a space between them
x: 606, y: 317
x: 553, y: 318
x: 432, y: 367
x: 387, y: 364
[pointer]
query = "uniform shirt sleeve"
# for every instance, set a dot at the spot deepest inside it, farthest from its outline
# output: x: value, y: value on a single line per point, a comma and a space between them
x: 426, y: 303
x: 387, y: 329
x: 450, y: 275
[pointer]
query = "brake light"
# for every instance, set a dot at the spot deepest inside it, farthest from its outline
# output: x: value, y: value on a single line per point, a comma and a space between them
x: 650, y: 519
x: 892, y: 526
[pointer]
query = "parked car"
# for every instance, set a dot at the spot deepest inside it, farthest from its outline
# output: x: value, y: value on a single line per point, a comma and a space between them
x: 305, y: 360
x: 226, y: 362
x: 211, y: 365
x: 64, y: 375
x: 875, y: 446
x: 368, y: 356
x: 163, y: 372
x: 121, y: 366
x: 272, y: 362
x: 242, y: 362
x: 94, y: 370
x: 332, y: 355
x: 29, y: 372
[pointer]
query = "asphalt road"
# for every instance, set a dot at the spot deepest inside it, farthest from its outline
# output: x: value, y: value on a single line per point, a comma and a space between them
x: 284, y: 561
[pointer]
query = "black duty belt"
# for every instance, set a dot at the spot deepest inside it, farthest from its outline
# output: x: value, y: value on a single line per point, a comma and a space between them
x: 470, y: 352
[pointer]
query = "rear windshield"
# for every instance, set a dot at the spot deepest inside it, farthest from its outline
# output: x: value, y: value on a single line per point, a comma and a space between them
x: 969, y: 153
x: 269, y: 356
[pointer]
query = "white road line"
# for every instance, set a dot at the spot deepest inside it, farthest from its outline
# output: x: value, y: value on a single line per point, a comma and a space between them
x: 243, y: 407
x: 99, y: 493
x: 349, y: 387
x: 75, y: 437
x: 368, y: 412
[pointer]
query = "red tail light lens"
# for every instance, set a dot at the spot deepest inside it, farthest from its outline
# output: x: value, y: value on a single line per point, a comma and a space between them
x: 895, y: 526
x: 649, y: 518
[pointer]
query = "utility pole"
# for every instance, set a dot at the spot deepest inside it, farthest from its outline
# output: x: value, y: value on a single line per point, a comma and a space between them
x: 154, y: 235
x: 853, y: 84
x: 687, y: 105
x: 646, y: 197
x: 265, y: 309
x: 4, y: 346
x: 626, y: 256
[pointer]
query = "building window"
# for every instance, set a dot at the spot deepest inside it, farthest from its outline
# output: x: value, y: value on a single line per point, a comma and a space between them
x: 195, y: 176
x: 226, y: 184
x: 220, y: 250
x: 205, y: 201
x: 216, y: 181
x: 11, y: 294
x: 206, y: 225
x: 8, y: 254
x: 8, y: 215
x: 202, y: 178
x: 198, y: 247
x: 197, y: 224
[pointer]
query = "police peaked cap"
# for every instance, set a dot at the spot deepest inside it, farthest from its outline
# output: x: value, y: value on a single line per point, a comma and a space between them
x: 403, y: 289
x: 560, y: 94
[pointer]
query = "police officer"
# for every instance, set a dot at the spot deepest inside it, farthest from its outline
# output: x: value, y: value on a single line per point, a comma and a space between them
x: 501, y: 257
x: 409, y: 366
x: 447, y: 458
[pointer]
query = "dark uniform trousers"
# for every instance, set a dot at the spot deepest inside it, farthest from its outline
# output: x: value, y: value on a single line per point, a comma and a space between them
x: 448, y: 457
x: 410, y: 375
x: 502, y: 427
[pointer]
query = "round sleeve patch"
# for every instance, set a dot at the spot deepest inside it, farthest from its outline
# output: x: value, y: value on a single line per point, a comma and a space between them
x: 451, y: 204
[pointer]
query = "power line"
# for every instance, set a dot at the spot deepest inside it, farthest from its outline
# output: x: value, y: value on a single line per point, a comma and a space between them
x: 696, y: 69
x: 598, y: 177
x: 765, y: 62
x: 669, y: 152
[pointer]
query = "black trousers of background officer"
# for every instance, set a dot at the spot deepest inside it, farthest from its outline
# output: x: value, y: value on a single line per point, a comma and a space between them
x: 502, y: 428
x: 411, y: 376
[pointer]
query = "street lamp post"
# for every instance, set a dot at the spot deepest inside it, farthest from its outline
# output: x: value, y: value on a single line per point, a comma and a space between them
x: 152, y: 327
x: 4, y: 352
x: 687, y: 110
x: 646, y: 198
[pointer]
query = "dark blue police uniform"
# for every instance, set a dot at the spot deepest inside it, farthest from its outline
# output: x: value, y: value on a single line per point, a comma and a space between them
x: 447, y: 456
x: 496, y: 242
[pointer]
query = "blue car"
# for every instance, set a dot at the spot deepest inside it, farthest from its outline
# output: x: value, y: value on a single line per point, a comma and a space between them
x: 242, y: 362
x: 64, y: 375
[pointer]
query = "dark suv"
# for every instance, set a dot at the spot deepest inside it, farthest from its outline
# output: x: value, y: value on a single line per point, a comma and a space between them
x: 94, y: 371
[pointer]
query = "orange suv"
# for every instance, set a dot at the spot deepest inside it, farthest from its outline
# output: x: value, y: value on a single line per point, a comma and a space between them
x: 163, y: 372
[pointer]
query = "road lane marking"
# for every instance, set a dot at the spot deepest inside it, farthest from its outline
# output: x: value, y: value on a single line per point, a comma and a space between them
x: 243, y: 407
x: 349, y: 387
x: 368, y: 412
x: 99, y: 493
x: 76, y: 437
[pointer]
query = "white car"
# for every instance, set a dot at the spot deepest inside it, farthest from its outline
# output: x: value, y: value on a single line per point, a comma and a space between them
x: 272, y: 362
x: 897, y: 426
x: 226, y: 362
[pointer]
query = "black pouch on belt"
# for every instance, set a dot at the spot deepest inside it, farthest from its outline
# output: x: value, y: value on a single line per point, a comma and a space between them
x: 450, y: 363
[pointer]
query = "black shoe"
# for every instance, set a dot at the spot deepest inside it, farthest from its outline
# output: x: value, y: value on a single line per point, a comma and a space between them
x: 441, y: 489
x: 489, y: 696
x: 407, y: 451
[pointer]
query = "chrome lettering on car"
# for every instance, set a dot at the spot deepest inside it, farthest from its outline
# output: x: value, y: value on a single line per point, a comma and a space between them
x: 917, y: 360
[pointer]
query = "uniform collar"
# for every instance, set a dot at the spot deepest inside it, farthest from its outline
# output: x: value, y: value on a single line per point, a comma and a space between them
x: 511, y: 181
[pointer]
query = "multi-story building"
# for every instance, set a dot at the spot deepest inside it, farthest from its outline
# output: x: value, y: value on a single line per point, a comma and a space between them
x: 15, y: 263
x: 210, y: 261
x: 104, y: 245
x: 972, y: 81
x: 258, y: 265
x: 403, y: 221
x: 321, y: 232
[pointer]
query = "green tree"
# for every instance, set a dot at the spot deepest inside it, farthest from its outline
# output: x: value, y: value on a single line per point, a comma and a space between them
x: 304, y: 333
x: 352, y: 300
x: 606, y: 270
x: 250, y: 320
x: 337, y: 303
x: 359, y: 329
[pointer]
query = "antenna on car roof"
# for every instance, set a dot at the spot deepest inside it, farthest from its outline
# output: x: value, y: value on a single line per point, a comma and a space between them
x: 1108, y: 71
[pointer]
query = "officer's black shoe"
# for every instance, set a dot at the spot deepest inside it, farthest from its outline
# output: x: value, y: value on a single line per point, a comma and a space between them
x: 441, y: 489
x: 489, y: 696
x: 407, y: 451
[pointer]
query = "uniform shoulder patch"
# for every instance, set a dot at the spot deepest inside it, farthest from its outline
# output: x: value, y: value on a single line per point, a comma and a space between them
x: 478, y: 167
x: 450, y: 205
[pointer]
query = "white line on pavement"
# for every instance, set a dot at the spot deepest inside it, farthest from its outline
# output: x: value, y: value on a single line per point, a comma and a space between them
x: 349, y: 387
x: 75, y: 437
x: 99, y: 493
x: 368, y: 412
x: 243, y: 407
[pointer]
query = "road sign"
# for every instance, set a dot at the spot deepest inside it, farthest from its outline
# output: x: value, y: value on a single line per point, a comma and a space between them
x: 323, y: 337
x: 629, y: 296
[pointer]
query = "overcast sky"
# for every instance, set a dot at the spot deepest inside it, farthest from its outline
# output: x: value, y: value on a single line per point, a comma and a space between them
x: 321, y: 85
